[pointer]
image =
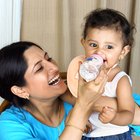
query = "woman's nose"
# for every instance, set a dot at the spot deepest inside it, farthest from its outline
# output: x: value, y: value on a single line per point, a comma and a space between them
x: 51, y: 67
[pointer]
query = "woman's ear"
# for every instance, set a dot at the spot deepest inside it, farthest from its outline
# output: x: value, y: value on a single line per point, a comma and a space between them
x: 20, y: 92
x: 124, y: 52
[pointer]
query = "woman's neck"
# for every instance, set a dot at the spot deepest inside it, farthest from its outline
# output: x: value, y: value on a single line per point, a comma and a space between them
x: 49, y: 113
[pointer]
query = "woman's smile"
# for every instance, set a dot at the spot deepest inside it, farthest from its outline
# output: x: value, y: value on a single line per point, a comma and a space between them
x: 55, y: 80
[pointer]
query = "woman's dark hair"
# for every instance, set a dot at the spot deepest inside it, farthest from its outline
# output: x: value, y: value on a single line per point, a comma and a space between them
x: 109, y: 18
x: 13, y: 66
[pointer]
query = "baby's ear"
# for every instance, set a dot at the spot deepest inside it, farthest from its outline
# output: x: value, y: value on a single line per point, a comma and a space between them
x: 83, y: 41
x: 124, y: 52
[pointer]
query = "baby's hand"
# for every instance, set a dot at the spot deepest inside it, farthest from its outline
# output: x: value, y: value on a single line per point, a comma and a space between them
x: 88, y: 128
x: 107, y: 114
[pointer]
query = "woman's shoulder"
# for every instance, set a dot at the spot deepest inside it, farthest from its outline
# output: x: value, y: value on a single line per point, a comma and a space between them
x: 13, y: 120
x: 67, y: 107
x: 12, y: 113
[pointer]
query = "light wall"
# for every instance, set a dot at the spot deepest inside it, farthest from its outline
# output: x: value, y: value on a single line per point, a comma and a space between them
x: 56, y: 25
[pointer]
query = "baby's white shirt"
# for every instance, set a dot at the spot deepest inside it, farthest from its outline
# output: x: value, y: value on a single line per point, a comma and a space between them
x: 99, y: 128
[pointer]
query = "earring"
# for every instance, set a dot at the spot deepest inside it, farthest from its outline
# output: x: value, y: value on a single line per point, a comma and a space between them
x: 27, y: 97
x: 120, y: 58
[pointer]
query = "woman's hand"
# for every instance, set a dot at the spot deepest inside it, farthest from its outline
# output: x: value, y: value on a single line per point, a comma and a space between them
x: 89, y: 92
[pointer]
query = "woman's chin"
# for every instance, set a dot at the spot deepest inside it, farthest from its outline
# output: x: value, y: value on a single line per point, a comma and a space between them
x: 62, y: 86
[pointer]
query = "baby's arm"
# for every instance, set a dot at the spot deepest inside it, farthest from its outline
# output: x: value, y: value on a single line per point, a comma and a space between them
x: 125, y: 103
x: 107, y: 113
x: 104, y: 101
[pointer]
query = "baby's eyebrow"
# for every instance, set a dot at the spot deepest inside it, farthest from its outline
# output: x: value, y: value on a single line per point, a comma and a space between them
x: 110, y: 43
x: 92, y: 40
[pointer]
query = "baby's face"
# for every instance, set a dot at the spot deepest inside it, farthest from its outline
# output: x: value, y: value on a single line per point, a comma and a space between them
x: 107, y: 43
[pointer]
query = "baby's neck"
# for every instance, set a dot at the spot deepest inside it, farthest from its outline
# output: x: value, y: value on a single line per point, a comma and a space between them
x: 113, y: 73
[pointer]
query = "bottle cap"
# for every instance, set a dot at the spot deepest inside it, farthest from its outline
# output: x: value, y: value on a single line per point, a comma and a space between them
x: 98, y: 60
x: 89, y: 69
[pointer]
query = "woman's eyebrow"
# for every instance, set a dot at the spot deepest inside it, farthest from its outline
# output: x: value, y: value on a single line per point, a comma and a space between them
x: 36, y: 64
x: 45, y: 54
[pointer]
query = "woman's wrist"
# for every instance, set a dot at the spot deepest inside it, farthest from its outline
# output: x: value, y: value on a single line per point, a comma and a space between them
x: 76, y: 122
x: 76, y: 127
x: 79, y: 116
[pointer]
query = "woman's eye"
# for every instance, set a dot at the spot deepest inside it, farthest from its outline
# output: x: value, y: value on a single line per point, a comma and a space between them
x: 39, y: 69
x: 93, y: 44
x: 109, y: 47
x: 49, y: 59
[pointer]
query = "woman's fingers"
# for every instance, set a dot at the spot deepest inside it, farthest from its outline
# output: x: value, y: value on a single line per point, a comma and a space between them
x: 81, y: 81
x: 103, y: 83
x: 101, y: 78
x: 89, y: 92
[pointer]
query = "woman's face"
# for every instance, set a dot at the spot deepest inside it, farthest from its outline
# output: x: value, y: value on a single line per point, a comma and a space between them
x: 42, y: 75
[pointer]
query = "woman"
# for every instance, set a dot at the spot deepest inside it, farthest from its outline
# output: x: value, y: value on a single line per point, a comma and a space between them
x: 30, y: 80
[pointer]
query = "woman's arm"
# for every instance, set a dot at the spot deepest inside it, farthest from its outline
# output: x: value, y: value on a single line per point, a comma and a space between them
x: 105, y: 101
x: 76, y: 123
x: 88, y: 94
x: 102, y: 102
x: 136, y: 120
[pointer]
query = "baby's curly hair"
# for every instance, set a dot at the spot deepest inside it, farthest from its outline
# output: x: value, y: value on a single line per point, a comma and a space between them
x: 110, y: 18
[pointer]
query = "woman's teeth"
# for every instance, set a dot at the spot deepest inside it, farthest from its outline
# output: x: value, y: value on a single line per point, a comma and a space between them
x: 54, y: 81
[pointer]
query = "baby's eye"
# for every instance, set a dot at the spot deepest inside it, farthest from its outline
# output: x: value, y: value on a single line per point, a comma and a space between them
x: 93, y: 44
x: 109, y: 47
